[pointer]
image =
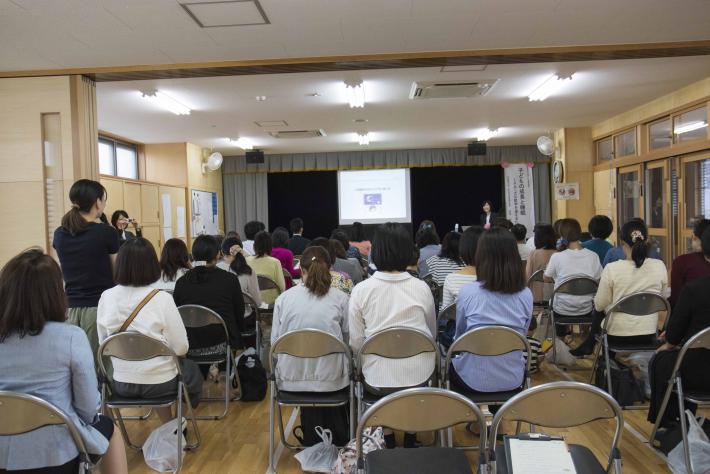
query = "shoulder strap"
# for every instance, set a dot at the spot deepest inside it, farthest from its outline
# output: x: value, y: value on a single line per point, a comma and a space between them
x: 138, y: 309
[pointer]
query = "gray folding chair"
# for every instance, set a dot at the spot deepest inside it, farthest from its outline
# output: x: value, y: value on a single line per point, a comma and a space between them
x: 488, y: 341
x: 640, y: 304
x: 133, y: 346
x: 437, y: 291
x: 266, y: 283
x: 576, y: 286
x: 702, y: 399
x: 256, y: 332
x: 537, y: 280
x: 21, y: 413
x: 416, y: 410
x: 195, y: 317
x: 307, y: 344
x: 560, y: 405
x: 393, y: 343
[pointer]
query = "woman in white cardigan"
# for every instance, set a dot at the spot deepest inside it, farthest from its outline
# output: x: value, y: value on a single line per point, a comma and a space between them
x: 136, y: 268
x: 234, y: 261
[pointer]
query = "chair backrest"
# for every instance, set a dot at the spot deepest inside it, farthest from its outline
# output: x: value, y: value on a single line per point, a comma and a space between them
x: 287, y: 274
x: 421, y: 409
x: 700, y: 341
x: 448, y: 313
x: 537, y: 281
x: 266, y: 283
x: 307, y: 343
x: 489, y: 341
x: 643, y: 303
x: 560, y: 405
x: 133, y: 346
x: 577, y: 286
x: 248, y: 300
x: 196, y: 316
x: 538, y: 276
x: 21, y: 413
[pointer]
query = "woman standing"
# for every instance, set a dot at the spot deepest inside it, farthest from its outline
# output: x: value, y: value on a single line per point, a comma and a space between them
x: 121, y: 221
x: 86, y: 251
x: 488, y: 216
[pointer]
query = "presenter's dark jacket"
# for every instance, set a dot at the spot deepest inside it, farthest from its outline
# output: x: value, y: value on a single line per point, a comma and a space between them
x: 297, y: 244
x: 494, y: 215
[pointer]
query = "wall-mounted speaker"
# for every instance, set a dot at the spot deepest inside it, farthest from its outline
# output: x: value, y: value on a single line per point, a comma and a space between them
x: 255, y: 157
x: 477, y: 149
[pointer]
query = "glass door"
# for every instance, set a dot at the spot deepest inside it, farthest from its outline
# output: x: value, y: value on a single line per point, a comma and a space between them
x: 694, y: 187
x: 630, y: 190
x: 657, y: 207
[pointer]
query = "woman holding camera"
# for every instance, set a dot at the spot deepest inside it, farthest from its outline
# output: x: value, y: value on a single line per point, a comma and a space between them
x: 121, y: 221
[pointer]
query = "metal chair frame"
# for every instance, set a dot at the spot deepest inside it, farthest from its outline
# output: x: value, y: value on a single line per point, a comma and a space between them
x: 248, y: 300
x: 21, y: 413
x: 577, y: 286
x: 197, y: 316
x: 445, y: 314
x: 639, y: 304
x: 422, y: 409
x: 699, y: 341
x: 303, y: 343
x: 560, y: 405
x: 437, y: 291
x: 133, y: 346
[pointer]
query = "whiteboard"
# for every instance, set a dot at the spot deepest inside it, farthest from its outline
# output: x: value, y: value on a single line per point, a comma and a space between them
x: 204, y: 213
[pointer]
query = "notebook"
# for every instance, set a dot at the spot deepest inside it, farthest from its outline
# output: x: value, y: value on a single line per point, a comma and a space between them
x: 534, y: 453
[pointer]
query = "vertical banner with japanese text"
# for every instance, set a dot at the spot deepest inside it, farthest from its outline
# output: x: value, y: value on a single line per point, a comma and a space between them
x: 519, y: 198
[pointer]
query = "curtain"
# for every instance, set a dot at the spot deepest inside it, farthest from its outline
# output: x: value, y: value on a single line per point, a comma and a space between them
x: 246, y: 198
x: 541, y: 188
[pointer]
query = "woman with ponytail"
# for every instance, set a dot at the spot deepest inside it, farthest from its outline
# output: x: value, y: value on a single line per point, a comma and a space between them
x: 638, y: 272
x: 312, y: 304
x: 234, y: 261
x: 86, y: 250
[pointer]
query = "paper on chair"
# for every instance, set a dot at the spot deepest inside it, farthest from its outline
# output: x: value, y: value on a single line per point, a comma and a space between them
x: 535, y: 457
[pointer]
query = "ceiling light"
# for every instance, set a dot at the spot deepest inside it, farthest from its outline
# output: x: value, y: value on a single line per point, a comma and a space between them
x: 241, y: 142
x: 689, y: 127
x: 167, y: 102
x: 363, y: 138
x: 551, y: 85
x: 260, y: 98
x: 486, y: 134
x: 356, y: 94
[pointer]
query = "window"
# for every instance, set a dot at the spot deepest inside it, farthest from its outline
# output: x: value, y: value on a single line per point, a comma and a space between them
x: 605, y: 150
x: 118, y: 158
x: 625, y: 144
x: 659, y: 134
x: 692, y: 125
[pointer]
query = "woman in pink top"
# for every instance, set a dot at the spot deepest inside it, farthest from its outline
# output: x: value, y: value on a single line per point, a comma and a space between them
x: 358, y: 240
x: 279, y: 250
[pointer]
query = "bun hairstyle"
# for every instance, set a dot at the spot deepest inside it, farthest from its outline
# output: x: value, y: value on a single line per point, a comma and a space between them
x: 315, y: 261
x: 570, y: 231
x: 635, y: 234
x: 83, y: 196
x: 232, y: 246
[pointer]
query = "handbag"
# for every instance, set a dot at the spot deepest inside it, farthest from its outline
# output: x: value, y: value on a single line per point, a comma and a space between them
x: 625, y: 389
x: 252, y: 377
x: 373, y: 438
x: 698, y: 446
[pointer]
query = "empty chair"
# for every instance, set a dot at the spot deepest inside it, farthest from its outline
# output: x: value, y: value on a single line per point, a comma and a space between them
x: 560, y: 405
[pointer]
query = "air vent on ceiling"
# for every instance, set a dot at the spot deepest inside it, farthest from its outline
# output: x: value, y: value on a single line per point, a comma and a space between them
x: 298, y: 133
x: 451, y: 89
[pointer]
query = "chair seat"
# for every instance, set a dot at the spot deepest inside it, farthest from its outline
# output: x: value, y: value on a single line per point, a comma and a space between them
x: 696, y: 396
x: 569, y: 320
x: 634, y: 347
x: 584, y: 460
x: 208, y: 359
x: 486, y: 397
x: 137, y: 402
x: 313, y: 398
x: 417, y: 461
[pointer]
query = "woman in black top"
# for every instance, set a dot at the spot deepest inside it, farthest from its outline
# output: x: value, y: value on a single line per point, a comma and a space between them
x: 488, y: 216
x: 121, y: 221
x: 691, y: 315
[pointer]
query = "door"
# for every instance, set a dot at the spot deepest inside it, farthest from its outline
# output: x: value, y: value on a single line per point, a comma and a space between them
x: 658, y: 207
x: 630, y: 193
x: 694, y: 196
x: 150, y: 204
x: 175, y: 226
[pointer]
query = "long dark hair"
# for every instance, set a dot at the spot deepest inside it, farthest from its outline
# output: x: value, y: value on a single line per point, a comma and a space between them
x: 83, y: 196
x: 635, y: 234
x: 31, y: 294
x: 137, y: 264
x: 279, y: 238
x: 450, y: 247
x: 174, y: 257
x: 239, y: 264
x: 204, y: 248
x: 262, y: 244
x: 357, y: 233
x: 315, y: 261
x: 468, y: 244
x: 570, y: 231
x: 498, y: 262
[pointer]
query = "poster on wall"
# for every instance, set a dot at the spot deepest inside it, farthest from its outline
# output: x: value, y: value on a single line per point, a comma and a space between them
x: 566, y: 191
x: 519, y: 198
x: 204, y: 213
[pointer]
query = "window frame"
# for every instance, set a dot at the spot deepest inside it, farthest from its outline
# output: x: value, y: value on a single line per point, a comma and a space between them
x: 113, y: 143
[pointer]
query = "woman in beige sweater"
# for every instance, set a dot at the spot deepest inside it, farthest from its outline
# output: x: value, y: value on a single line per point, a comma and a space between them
x: 266, y: 265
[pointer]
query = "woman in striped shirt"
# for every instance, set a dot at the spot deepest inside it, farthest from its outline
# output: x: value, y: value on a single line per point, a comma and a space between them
x: 447, y: 261
x: 467, y: 274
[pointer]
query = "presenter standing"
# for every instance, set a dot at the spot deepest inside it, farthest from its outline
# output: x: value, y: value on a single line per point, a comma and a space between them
x: 488, y: 216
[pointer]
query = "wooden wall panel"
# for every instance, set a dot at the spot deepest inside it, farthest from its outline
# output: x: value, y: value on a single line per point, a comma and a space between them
x: 166, y: 163
x: 23, y: 225
x: 114, y: 191
x: 132, y: 203
x: 150, y: 204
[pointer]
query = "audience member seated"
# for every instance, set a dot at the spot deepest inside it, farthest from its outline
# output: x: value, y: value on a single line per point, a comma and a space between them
x: 488, y: 216
x: 428, y: 244
x: 313, y: 304
x: 571, y: 261
x: 251, y: 228
x: 233, y: 261
x: 585, y: 237
x: 535, y: 347
x: 636, y: 273
x: 136, y: 268
x: 297, y: 243
x: 519, y: 232
x: 600, y: 228
x: 690, y: 266
x: 691, y: 315
x: 392, y: 298
x: 468, y: 243
x: 498, y: 297
x: 210, y: 286
x: 279, y: 242
x: 412, y: 267
x: 264, y: 264
x: 358, y: 239
x: 40, y: 355
x: 338, y: 280
x: 351, y: 251
x: 545, y: 247
x: 347, y: 266
x: 447, y: 260
x: 121, y: 221
x: 617, y: 253
x: 503, y: 223
x: 174, y: 263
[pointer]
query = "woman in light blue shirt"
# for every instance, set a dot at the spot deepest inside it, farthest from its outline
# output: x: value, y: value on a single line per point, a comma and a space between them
x: 41, y: 355
x: 499, y: 297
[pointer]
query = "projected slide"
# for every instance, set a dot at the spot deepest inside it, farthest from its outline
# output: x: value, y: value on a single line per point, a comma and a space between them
x: 374, y: 196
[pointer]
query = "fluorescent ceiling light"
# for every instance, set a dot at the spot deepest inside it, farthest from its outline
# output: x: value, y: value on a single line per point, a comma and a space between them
x: 241, y: 142
x: 486, y: 134
x: 167, y: 103
x: 551, y: 85
x: 356, y: 94
x: 689, y: 127
x: 363, y: 138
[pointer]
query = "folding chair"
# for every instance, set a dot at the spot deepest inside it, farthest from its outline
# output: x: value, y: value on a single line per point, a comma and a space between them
x: 437, y: 291
x: 702, y: 399
x: 195, y: 317
x: 560, y: 405
x: 445, y: 316
x: 640, y: 304
x: 576, y: 286
x: 287, y: 275
x: 307, y: 344
x: 393, y: 343
x: 488, y: 341
x: 420, y: 409
x: 537, y: 280
x: 266, y: 283
x: 256, y: 332
x: 21, y: 413
x: 133, y: 346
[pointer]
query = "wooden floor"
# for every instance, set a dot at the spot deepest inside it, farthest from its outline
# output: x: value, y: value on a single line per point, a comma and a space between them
x: 239, y: 443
